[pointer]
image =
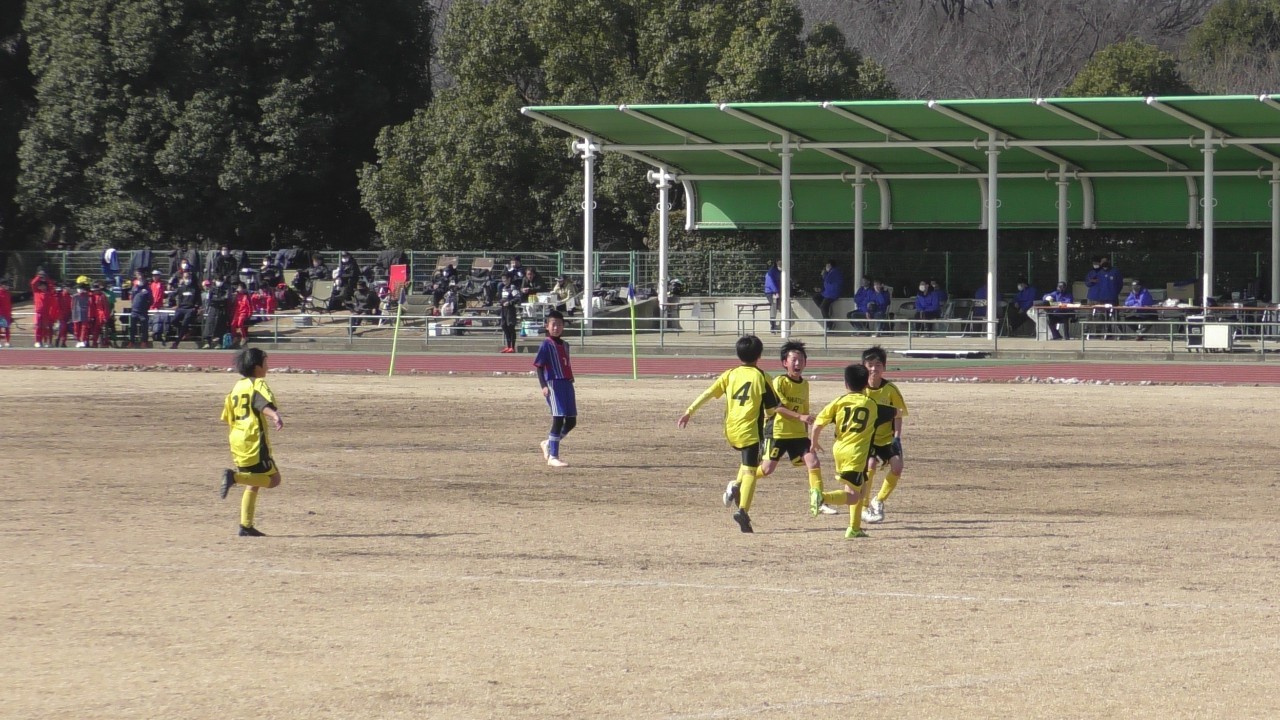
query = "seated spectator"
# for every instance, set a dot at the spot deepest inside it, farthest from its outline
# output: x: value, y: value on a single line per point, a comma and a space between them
x: 531, y: 284
x: 269, y: 274
x: 928, y: 305
x: 871, y: 302
x: 362, y: 302
x: 564, y: 290
x: 1021, y: 303
x: 1139, y: 297
x: 1060, y: 322
x: 263, y: 301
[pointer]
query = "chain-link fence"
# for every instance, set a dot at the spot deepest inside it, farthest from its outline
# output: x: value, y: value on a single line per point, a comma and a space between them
x: 725, y: 273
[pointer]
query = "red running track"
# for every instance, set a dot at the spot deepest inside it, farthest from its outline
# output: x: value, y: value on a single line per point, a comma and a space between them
x: 1189, y: 373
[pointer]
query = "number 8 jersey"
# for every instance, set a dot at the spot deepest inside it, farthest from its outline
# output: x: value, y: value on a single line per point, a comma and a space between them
x: 855, y: 417
x: 242, y: 412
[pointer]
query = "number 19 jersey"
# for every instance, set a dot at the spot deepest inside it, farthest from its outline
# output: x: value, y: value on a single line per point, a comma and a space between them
x: 854, y: 417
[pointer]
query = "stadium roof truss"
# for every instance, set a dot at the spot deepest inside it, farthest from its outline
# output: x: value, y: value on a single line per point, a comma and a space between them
x: 1187, y: 162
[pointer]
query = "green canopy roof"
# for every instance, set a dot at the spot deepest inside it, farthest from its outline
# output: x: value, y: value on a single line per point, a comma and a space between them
x: 1136, y: 162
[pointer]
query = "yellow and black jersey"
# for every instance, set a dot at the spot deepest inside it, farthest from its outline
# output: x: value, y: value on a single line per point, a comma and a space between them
x: 888, y: 395
x: 854, y: 417
x: 793, y: 395
x: 242, y: 412
x: 748, y: 398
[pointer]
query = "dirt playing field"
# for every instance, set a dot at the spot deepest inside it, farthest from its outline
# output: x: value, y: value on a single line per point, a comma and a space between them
x: 1053, y: 551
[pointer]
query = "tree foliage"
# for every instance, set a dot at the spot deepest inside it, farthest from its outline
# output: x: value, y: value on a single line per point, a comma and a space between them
x: 1127, y: 69
x: 470, y: 171
x: 241, y: 121
x: 16, y: 98
x: 1237, y: 48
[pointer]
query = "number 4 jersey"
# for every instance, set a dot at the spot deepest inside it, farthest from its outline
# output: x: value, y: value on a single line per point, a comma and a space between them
x: 242, y: 412
x: 855, y: 417
x: 750, y: 397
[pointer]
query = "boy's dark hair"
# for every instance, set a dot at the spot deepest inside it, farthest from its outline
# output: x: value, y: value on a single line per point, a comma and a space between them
x: 749, y: 349
x: 248, y: 359
x: 792, y: 346
x: 875, y: 352
x: 555, y: 314
x: 855, y: 377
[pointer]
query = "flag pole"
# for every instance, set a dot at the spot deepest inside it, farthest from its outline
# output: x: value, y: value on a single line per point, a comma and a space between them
x: 395, y: 334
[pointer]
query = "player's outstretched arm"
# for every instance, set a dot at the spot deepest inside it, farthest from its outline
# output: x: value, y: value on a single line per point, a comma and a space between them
x: 683, y: 420
x: 277, y: 422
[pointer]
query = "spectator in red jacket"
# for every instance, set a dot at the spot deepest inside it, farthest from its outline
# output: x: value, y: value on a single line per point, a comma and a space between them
x: 99, y: 314
x: 64, y: 314
x: 264, y: 304
x: 6, y: 313
x: 159, y: 288
x: 241, y: 312
x: 46, y: 309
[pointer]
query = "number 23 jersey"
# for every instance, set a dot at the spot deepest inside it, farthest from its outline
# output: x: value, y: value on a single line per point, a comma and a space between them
x: 854, y: 417
x: 242, y: 412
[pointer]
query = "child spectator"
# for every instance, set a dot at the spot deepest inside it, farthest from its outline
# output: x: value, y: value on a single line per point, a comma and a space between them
x: 788, y: 431
x: 886, y: 444
x: 101, y: 315
x: 45, y: 305
x: 139, y: 311
x: 246, y: 411
x: 80, y: 316
x: 856, y: 418
x: 186, y: 304
x: 264, y: 304
x: 64, y: 314
x: 751, y: 397
x: 6, y: 313
x: 556, y: 378
x: 241, y: 311
x: 363, y: 302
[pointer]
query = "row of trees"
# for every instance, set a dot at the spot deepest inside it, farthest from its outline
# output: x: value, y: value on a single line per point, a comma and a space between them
x: 358, y: 122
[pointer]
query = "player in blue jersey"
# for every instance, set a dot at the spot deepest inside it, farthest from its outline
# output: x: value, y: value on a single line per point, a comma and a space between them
x: 556, y: 378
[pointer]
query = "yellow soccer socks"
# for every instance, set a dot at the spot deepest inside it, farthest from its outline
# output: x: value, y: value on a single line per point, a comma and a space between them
x: 886, y: 489
x: 747, y: 486
x: 248, y: 504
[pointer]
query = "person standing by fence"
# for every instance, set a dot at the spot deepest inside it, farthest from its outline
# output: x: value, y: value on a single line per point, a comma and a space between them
x: 773, y: 293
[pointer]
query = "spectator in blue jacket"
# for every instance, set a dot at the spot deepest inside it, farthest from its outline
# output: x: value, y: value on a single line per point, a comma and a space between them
x: 1139, y: 297
x: 1060, y: 322
x: 139, y: 310
x: 773, y: 293
x: 870, y: 302
x: 1021, y: 303
x: 1104, y: 282
x: 928, y: 305
x: 832, y: 285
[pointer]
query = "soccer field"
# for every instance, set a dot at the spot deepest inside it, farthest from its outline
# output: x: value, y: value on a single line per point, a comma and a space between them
x: 1052, y: 551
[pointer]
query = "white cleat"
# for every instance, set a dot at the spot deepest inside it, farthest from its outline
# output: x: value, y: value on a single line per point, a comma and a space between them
x: 874, y: 513
x: 557, y: 462
x: 546, y: 451
x: 827, y: 510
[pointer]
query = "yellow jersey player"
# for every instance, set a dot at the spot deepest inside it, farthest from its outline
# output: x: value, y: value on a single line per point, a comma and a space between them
x: 247, y: 410
x: 886, y: 446
x: 789, y: 435
x: 750, y: 398
x: 855, y: 417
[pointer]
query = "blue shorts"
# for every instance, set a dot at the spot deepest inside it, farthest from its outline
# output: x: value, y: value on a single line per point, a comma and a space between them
x: 561, y: 399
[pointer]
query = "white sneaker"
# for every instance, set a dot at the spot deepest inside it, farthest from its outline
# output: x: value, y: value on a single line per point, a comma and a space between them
x: 38, y: 345
x: 827, y: 510
x: 546, y: 452
x: 557, y: 462
x: 80, y: 345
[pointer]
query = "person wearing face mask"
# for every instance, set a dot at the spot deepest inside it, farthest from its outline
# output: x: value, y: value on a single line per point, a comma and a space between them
x: 1060, y: 323
x: 224, y: 266
x: 1139, y: 297
x: 1021, y: 303
x: 215, y: 315
x: 832, y: 286
x: 928, y: 305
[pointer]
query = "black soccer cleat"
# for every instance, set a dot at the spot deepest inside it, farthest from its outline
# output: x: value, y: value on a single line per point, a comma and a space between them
x: 228, y: 480
x: 251, y: 532
x: 743, y: 520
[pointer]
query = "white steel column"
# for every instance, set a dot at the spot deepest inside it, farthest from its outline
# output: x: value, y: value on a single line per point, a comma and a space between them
x: 785, y: 206
x: 1275, y: 233
x: 588, y: 150
x: 1209, y: 201
x: 1063, y: 184
x: 858, y: 221
x: 993, y: 205
x: 663, y: 180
